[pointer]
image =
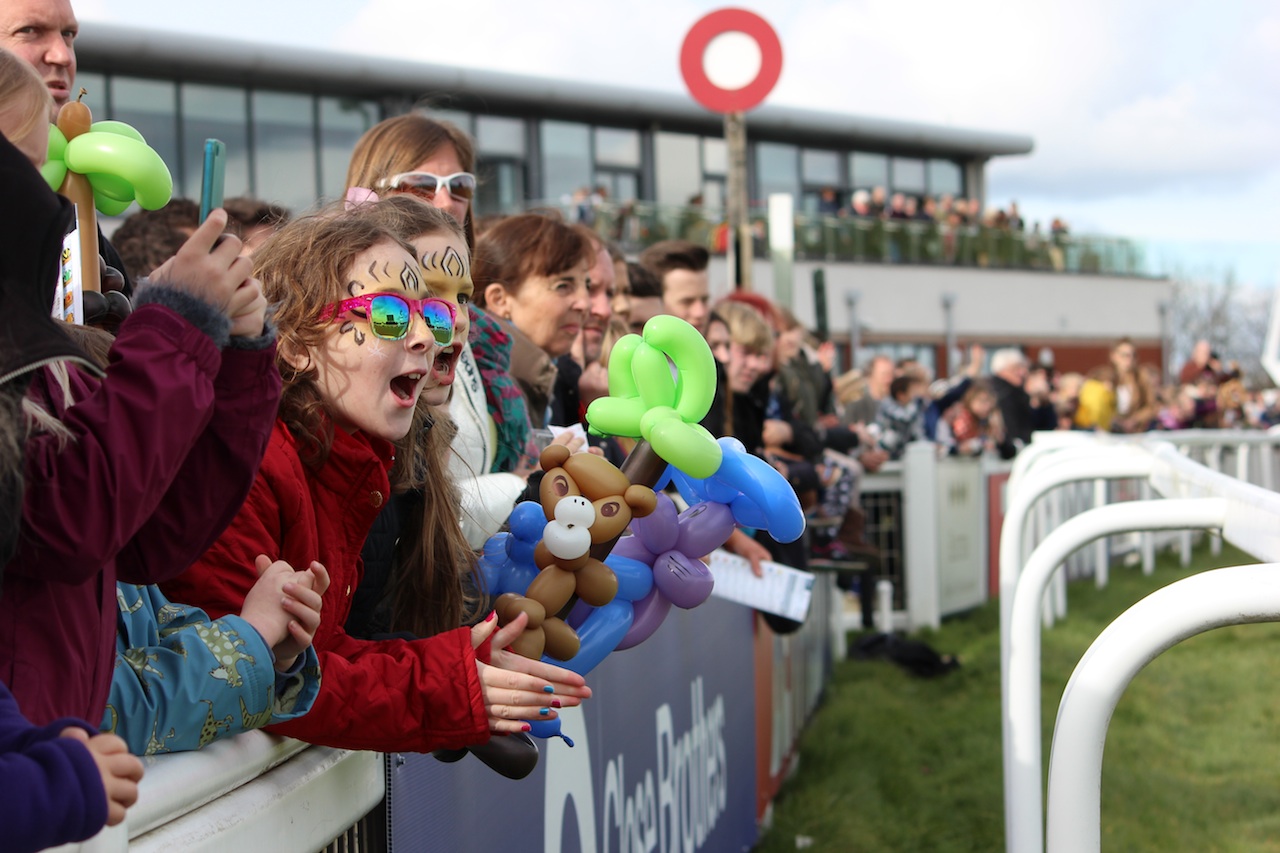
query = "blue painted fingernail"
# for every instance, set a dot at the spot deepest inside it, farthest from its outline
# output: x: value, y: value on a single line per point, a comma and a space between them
x: 548, y: 689
x: 544, y: 711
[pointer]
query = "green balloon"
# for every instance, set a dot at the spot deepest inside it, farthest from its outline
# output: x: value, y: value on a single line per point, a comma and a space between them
x: 616, y: 415
x: 54, y: 172
x: 652, y: 372
x: 621, y: 381
x: 110, y: 206
x: 695, y: 365
x: 111, y: 186
x: 689, y: 447
x: 125, y: 158
x: 54, y: 169
x: 117, y: 127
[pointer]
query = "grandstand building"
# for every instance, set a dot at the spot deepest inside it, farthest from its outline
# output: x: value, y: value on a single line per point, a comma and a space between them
x: 656, y: 165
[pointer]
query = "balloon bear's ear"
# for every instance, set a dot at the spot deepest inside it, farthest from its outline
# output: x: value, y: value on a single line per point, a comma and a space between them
x: 641, y: 499
x: 553, y: 457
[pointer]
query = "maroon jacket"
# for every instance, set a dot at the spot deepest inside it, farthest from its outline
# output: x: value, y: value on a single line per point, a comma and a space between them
x: 163, y: 453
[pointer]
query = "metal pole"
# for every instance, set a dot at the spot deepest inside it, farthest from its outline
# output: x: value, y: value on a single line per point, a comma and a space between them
x: 949, y: 324
x: 855, y: 327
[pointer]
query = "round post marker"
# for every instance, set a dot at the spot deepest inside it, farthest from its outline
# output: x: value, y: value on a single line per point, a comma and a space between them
x: 715, y: 96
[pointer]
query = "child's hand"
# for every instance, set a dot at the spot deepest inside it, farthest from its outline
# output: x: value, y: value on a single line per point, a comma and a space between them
x: 206, y: 267
x: 120, y: 771
x: 513, y: 686
x: 247, y: 310
x: 303, y: 599
x: 284, y: 607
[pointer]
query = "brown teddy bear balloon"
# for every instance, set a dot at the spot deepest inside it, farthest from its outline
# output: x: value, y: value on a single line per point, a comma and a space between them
x: 587, y: 501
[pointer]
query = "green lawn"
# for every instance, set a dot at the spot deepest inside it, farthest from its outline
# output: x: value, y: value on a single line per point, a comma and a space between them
x: 891, y: 762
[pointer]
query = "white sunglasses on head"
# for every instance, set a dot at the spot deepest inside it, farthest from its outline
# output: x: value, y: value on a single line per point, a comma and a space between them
x: 427, y: 184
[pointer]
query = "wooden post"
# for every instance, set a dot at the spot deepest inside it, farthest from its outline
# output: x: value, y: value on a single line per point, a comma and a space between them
x: 735, y: 136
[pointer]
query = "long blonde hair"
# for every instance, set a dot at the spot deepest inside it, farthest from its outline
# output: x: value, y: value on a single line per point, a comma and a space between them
x: 22, y: 90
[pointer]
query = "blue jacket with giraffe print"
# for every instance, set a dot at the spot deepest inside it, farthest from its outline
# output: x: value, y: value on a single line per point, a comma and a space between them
x: 182, y: 680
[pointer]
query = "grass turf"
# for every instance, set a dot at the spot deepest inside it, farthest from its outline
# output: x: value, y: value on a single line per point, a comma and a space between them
x: 892, y: 762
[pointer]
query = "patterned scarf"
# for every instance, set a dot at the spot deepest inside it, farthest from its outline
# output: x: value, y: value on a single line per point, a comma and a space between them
x: 492, y: 348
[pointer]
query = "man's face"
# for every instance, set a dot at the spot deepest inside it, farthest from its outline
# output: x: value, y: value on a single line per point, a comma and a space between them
x: 880, y: 377
x: 686, y: 294
x: 43, y: 33
x: 642, y: 308
x: 600, y: 293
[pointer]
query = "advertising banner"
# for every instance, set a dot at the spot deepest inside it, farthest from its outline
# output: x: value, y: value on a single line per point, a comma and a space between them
x: 664, y: 759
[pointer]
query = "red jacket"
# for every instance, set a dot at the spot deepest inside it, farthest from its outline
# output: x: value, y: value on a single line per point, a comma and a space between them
x: 163, y: 452
x: 387, y: 695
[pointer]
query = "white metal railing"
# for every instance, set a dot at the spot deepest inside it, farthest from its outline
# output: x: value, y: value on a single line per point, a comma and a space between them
x: 1191, y: 606
x: 1192, y: 496
x: 249, y: 792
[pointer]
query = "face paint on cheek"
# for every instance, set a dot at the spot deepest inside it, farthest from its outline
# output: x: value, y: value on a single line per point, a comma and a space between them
x: 376, y: 351
x: 356, y: 334
x: 354, y: 287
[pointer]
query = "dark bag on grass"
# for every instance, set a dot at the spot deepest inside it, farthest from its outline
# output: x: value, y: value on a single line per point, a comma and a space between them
x: 915, y: 656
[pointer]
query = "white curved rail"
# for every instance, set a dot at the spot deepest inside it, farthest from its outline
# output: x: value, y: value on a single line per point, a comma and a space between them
x: 1022, y: 739
x: 1191, y: 606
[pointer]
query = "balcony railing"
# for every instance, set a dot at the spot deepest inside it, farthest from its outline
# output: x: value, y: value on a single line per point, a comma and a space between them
x: 635, y: 225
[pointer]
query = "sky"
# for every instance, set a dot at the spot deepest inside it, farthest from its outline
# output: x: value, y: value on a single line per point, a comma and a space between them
x: 1152, y: 120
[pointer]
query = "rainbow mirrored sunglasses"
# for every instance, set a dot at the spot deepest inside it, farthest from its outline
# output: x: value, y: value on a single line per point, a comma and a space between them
x: 389, y: 315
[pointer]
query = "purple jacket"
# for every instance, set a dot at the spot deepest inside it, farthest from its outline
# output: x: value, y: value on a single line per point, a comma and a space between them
x: 165, y: 449
x: 50, y: 789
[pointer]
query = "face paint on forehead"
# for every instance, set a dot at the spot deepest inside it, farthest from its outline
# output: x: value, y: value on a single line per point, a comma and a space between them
x: 450, y: 261
x: 409, y: 279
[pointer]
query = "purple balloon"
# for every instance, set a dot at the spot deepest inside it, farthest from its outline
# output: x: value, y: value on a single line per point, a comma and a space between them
x: 658, y: 530
x: 704, y: 527
x: 685, y: 581
x: 647, y: 615
x: 630, y: 546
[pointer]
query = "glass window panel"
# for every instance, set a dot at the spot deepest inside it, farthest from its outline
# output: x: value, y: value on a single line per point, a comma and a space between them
x: 713, y: 195
x: 820, y: 167
x: 151, y: 107
x: 908, y: 175
x: 776, y: 169
x: 566, y: 159
x: 624, y: 186
x: 617, y: 147
x: 945, y: 176
x: 500, y: 135
x: 218, y: 112
x: 284, y: 149
x: 676, y: 167
x: 715, y: 156
x: 501, y: 188
x: 868, y: 170
x: 342, y: 122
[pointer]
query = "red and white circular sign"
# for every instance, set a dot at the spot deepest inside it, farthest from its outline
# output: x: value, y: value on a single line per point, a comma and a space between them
x: 693, y: 54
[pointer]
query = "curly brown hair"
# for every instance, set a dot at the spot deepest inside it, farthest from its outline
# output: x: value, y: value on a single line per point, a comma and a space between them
x: 303, y: 268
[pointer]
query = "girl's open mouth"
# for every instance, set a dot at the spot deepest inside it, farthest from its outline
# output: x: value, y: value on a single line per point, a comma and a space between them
x: 443, y: 366
x: 405, y: 387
